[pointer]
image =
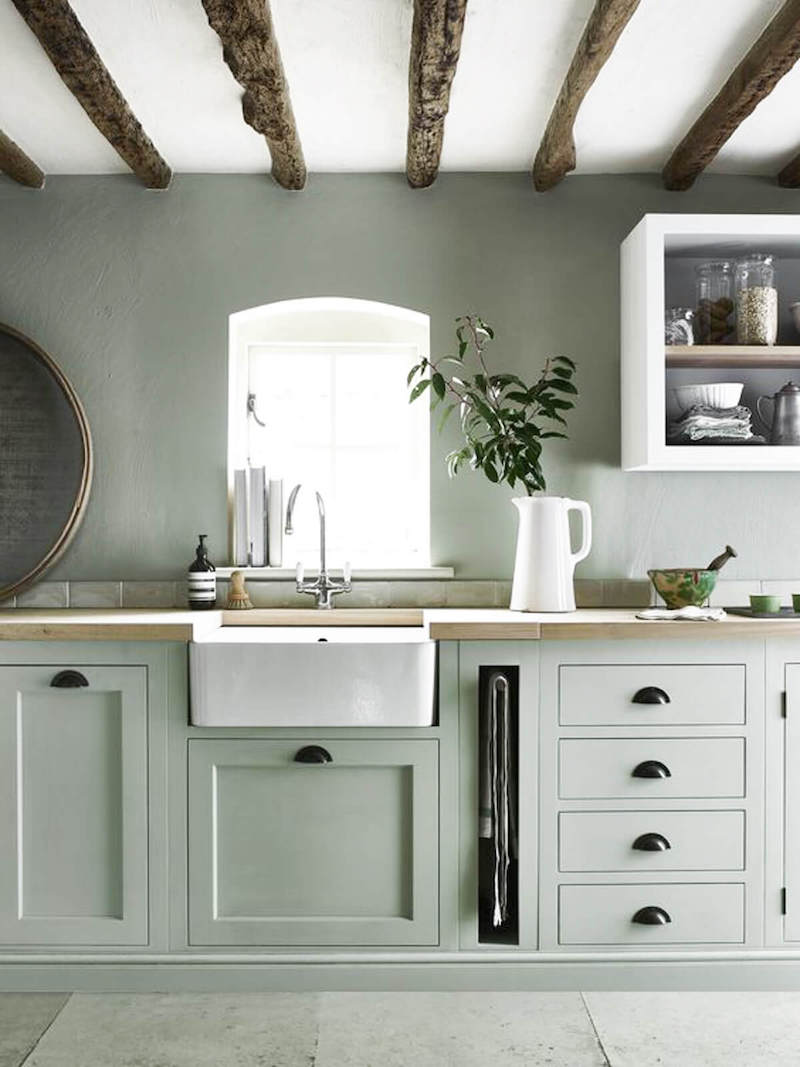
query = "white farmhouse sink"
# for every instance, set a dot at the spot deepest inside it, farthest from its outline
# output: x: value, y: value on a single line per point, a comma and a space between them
x: 313, y: 676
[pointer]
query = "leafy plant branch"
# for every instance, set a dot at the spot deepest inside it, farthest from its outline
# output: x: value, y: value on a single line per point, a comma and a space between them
x: 503, y: 420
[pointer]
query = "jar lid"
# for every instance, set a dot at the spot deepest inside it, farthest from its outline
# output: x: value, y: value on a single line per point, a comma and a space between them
x: 757, y: 259
x: 714, y: 265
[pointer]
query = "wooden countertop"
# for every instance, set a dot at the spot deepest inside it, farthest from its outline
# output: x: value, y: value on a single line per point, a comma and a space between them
x: 597, y: 624
x: 450, y: 624
x: 131, y: 624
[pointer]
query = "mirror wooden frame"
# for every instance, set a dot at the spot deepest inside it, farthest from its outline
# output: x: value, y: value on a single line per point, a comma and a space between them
x: 76, y: 514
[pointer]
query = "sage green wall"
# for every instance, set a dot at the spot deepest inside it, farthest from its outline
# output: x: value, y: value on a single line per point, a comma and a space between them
x: 130, y: 291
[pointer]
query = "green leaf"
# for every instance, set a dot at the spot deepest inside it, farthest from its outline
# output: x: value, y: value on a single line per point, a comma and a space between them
x: 462, y: 347
x: 412, y: 373
x: 491, y: 473
x: 448, y: 411
x: 438, y: 383
x: 554, y: 433
x: 563, y: 372
x: 565, y: 360
x: 564, y: 386
x: 419, y: 389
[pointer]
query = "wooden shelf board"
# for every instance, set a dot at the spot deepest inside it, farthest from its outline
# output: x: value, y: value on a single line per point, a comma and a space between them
x: 712, y: 356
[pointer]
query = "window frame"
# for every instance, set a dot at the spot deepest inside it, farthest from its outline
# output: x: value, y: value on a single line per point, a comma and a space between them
x: 327, y: 321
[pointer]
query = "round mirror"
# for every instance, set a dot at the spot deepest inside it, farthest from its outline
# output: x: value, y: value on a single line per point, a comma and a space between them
x: 45, y: 462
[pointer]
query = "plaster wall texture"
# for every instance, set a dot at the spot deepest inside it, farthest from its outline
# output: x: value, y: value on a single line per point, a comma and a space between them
x: 130, y: 291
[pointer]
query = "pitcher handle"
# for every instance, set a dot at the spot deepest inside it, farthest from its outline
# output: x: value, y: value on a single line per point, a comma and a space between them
x: 586, y: 537
x: 766, y: 426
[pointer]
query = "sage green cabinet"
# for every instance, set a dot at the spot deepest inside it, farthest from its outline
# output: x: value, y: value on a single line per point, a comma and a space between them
x: 343, y: 852
x: 791, y: 848
x: 73, y: 806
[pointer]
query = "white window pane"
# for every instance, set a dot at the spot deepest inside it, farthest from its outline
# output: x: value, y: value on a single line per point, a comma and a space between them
x: 337, y: 420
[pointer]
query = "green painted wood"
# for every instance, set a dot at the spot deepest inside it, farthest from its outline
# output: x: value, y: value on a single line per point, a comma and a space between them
x: 73, y: 806
x: 288, y: 853
x: 791, y: 922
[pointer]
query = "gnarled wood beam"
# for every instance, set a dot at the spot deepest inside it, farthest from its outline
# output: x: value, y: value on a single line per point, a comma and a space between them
x: 556, y: 155
x: 82, y: 70
x: 773, y: 55
x: 15, y: 164
x: 250, y: 49
x: 435, y: 46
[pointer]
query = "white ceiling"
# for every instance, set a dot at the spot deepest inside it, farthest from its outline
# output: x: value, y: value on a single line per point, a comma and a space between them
x: 347, y: 65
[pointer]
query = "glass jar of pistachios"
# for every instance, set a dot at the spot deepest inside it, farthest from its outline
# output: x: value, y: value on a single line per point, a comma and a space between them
x: 756, y: 300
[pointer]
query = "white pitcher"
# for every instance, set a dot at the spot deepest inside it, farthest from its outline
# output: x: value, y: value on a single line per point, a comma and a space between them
x: 545, y: 562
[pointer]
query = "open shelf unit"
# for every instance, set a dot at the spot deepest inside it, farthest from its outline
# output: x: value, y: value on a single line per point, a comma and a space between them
x: 658, y: 260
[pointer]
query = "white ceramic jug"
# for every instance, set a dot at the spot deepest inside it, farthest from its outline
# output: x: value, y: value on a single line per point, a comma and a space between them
x: 545, y: 562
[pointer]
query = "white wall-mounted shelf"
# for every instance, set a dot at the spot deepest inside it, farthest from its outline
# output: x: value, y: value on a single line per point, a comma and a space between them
x: 662, y: 243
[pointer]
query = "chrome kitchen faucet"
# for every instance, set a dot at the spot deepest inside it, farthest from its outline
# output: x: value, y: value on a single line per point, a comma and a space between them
x: 322, y: 587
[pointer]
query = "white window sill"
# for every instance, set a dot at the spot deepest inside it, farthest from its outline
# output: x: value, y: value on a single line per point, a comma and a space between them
x: 393, y: 574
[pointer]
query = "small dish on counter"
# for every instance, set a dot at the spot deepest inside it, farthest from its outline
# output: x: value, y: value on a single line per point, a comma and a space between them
x: 765, y: 604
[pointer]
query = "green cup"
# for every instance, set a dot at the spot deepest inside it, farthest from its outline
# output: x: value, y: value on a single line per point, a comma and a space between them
x: 766, y: 604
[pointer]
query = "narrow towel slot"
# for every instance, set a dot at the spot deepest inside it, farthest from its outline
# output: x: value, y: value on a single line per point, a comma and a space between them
x: 498, y: 813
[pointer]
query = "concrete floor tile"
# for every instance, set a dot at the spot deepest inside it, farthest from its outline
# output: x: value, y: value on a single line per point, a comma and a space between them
x: 697, y: 1029
x: 24, y: 1017
x: 455, y: 1030
x: 176, y: 1030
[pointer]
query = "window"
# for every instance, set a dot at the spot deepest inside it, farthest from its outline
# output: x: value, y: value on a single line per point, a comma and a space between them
x: 327, y: 379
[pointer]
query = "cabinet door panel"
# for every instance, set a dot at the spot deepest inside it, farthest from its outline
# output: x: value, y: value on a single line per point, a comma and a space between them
x: 73, y: 818
x: 791, y: 922
x: 282, y: 852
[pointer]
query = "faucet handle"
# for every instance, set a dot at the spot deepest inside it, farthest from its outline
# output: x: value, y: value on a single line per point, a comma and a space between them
x: 347, y: 572
x: 299, y: 572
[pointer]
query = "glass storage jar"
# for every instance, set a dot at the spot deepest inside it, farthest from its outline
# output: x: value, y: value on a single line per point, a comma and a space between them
x: 713, y: 323
x: 678, y: 329
x: 756, y: 300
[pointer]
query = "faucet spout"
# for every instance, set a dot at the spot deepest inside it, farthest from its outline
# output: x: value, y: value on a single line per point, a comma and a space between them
x: 322, y: 587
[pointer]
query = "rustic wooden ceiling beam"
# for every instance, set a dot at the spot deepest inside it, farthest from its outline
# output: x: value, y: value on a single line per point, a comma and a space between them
x: 250, y: 48
x: 82, y: 70
x: 435, y: 46
x: 14, y: 163
x: 773, y: 55
x: 556, y: 155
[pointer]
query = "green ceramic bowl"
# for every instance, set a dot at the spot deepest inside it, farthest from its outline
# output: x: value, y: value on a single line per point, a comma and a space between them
x: 681, y: 586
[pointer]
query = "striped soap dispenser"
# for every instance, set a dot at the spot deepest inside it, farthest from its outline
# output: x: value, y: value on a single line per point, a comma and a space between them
x: 202, y: 579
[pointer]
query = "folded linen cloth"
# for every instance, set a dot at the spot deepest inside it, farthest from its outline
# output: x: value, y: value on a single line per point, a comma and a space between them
x: 702, y: 422
x: 692, y: 613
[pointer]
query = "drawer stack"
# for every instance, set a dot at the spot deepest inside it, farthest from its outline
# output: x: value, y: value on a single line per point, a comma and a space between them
x: 649, y: 815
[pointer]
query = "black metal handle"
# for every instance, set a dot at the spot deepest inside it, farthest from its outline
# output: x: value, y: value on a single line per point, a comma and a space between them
x: 651, y: 843
x: 313, y: 754
x: 69, y: 680
x: 651, y: 694
x: 651, y: 768
x: 651, y: 916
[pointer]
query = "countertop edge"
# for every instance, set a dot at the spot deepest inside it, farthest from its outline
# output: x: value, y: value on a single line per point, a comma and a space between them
x: 443, y: 624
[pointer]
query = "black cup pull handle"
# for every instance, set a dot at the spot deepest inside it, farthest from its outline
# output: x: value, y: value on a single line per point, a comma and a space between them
x: 313, y: 754
x: 69, y: 680
x: 651, y: 694
x: 651, y: 843
x: 651, y: 916
x: 651, y: 768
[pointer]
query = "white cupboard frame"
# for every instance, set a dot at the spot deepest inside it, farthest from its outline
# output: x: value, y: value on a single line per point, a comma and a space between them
x: 642, y: 291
